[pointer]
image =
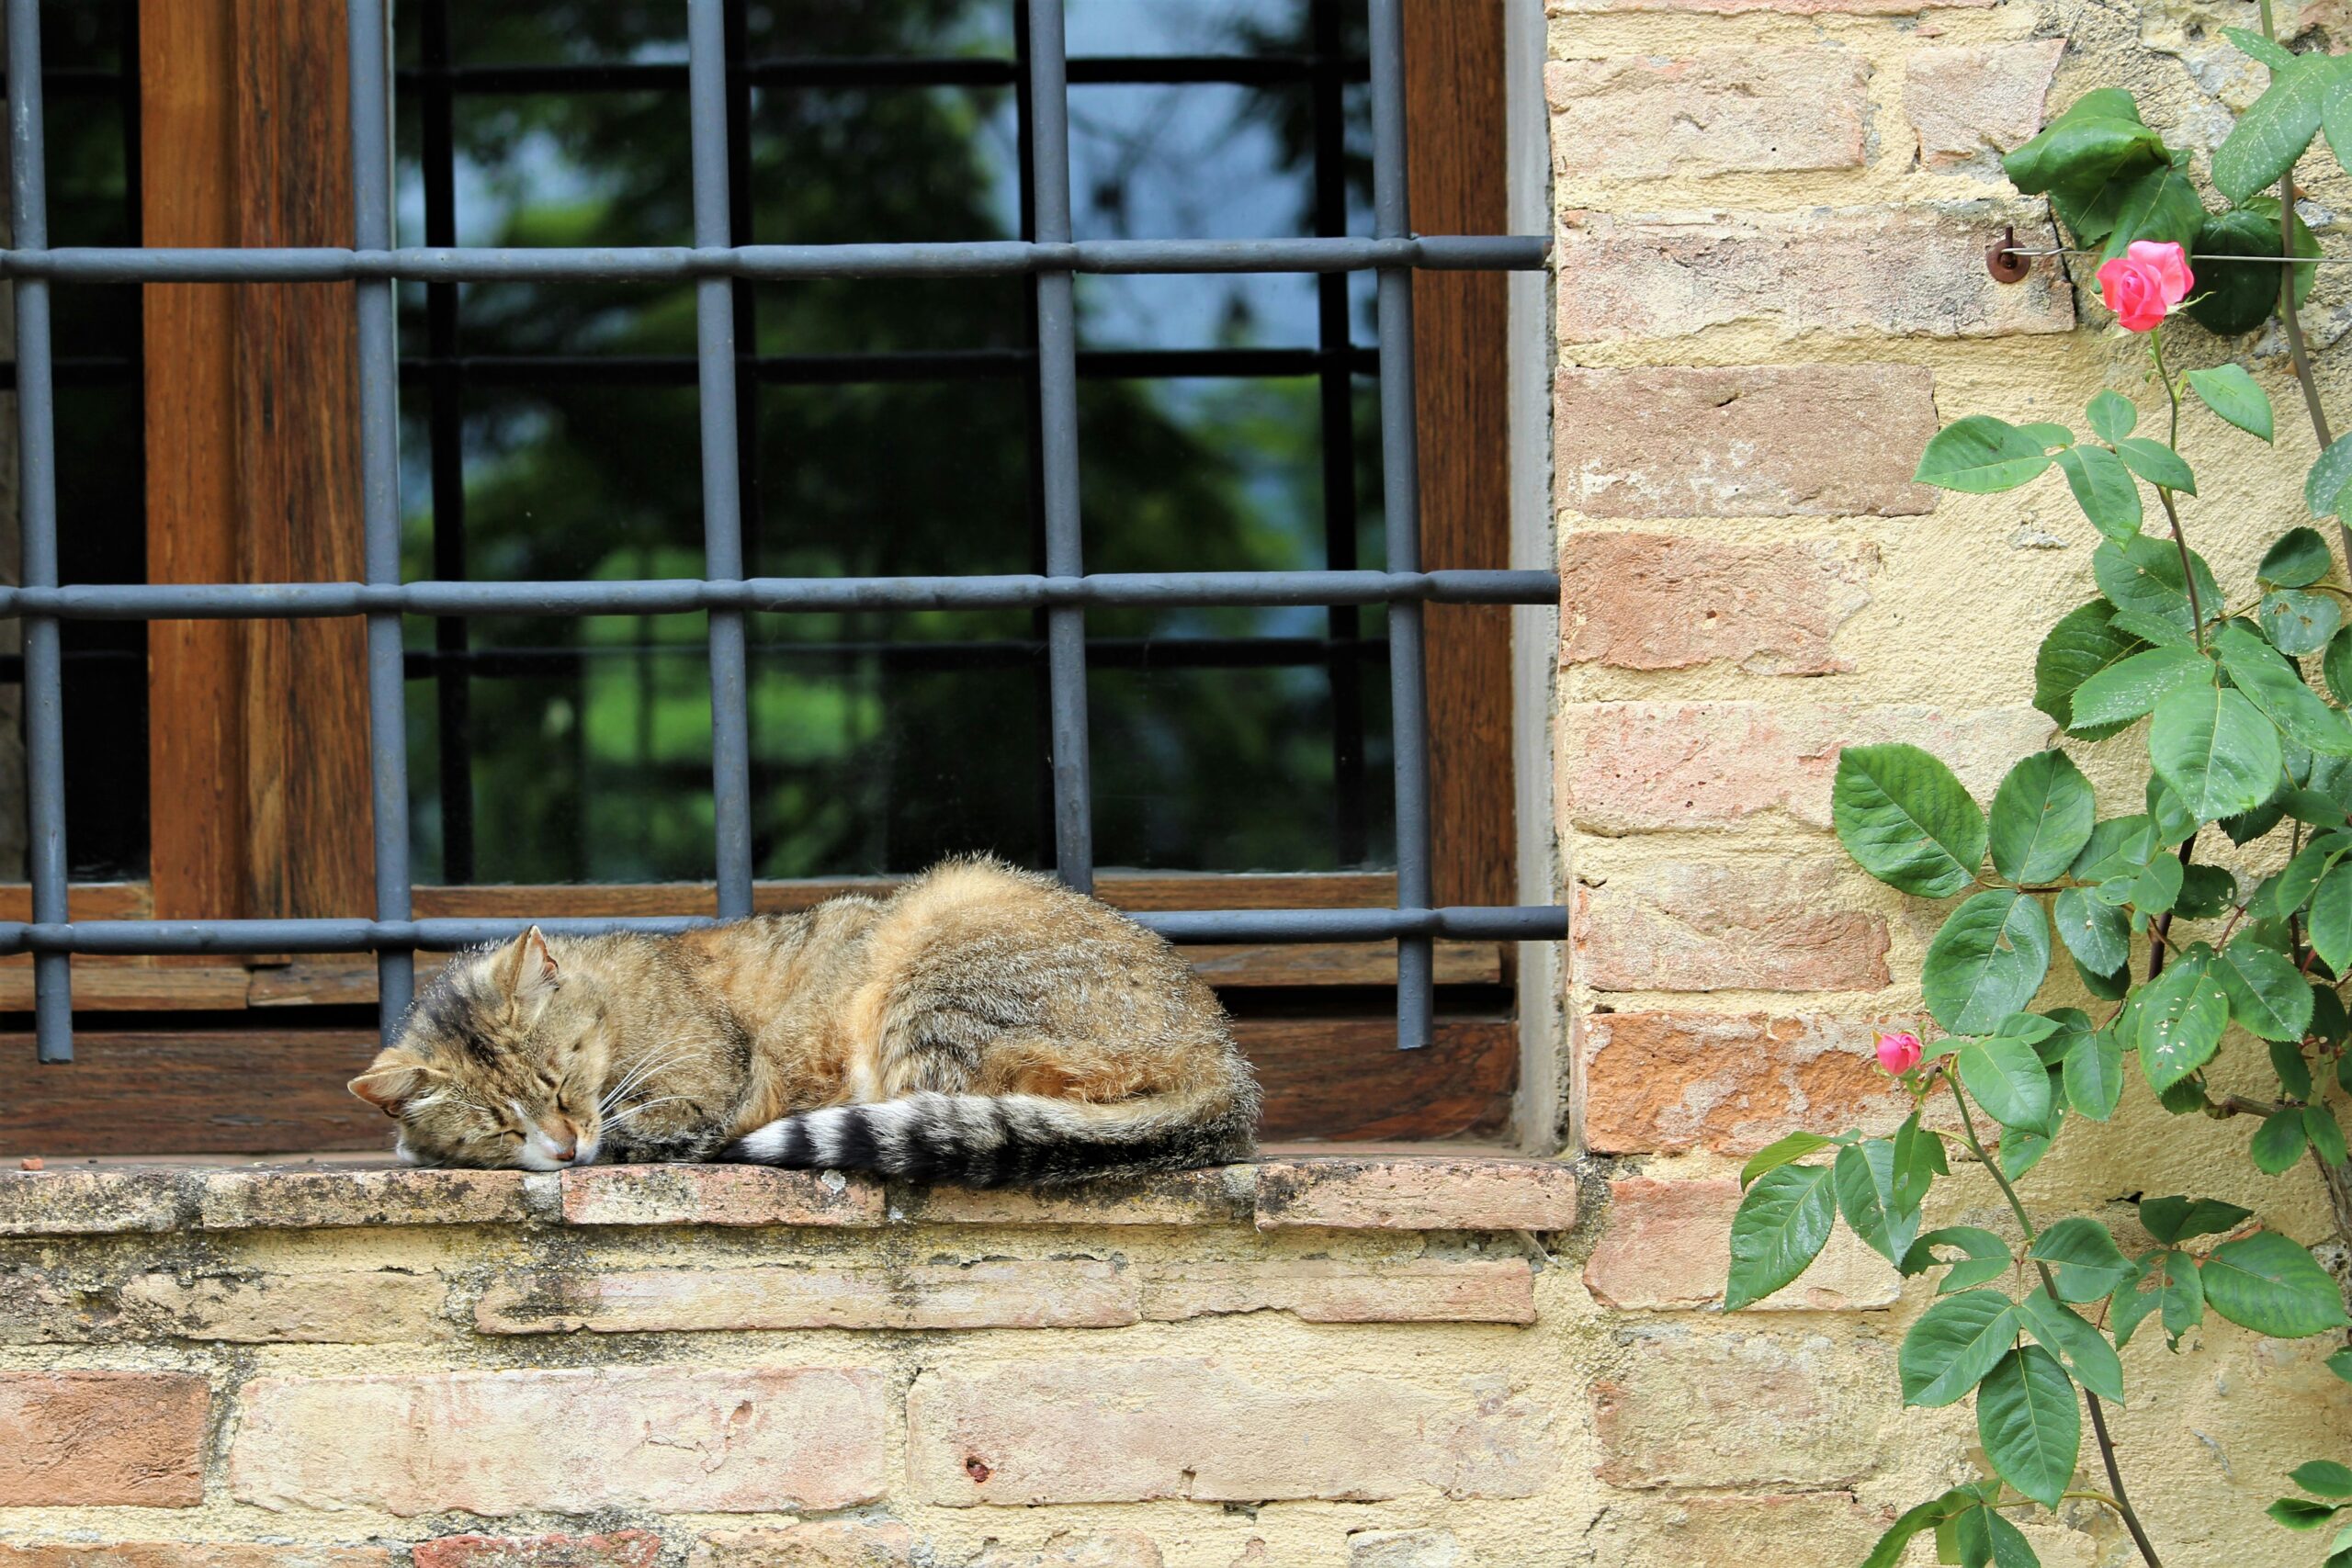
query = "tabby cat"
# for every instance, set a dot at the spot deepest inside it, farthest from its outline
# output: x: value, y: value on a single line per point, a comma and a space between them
x: 982, y: 1025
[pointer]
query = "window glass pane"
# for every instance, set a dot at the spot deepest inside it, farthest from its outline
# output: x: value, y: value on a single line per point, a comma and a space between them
x: 889, y: 426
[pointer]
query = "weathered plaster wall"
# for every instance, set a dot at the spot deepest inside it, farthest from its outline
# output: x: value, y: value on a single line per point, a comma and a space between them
x: 1772, y: 215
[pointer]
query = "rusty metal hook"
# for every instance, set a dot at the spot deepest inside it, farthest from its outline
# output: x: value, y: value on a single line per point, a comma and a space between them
x: 2003, y: 259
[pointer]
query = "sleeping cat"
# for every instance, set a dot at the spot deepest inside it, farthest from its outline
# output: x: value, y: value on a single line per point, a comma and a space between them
x: 982, y: 1025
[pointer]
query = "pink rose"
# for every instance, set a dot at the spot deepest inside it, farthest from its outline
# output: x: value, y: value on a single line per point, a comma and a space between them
x: 2143, y: 283
x: 1900, y: 1051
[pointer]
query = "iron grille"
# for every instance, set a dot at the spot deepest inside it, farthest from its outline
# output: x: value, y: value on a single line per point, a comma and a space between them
x: 1062, y: 592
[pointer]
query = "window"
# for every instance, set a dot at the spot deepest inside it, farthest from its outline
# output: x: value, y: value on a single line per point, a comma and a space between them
x: 551, y: 430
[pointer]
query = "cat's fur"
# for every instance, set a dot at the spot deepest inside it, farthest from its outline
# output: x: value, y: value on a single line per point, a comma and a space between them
x: 983, y: 1025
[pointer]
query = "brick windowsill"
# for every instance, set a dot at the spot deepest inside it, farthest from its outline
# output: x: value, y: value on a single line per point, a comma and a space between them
x: 1432, y: 1190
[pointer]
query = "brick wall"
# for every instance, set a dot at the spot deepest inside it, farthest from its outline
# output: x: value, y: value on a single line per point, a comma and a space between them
x: 1773, y: 215
x: 1339, y: 1360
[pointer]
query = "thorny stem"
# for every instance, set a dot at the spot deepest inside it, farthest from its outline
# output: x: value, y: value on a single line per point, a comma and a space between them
x: 2179, y: 540
x: 2122, y: 1500
x: 2162, y: 928
x: 2299, y: 352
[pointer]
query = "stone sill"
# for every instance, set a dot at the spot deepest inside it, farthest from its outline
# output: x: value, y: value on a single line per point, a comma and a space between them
x: 1451, y: 1188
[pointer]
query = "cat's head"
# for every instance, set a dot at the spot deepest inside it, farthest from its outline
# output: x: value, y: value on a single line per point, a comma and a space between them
x: 490, y: 1069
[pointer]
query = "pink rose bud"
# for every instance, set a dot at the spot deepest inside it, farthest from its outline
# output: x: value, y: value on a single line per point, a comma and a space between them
x: 1899, y: 1051
x: 2146, y: 281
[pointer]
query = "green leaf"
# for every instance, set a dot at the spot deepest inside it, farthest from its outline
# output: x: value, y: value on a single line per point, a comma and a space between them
x: 2274, y: 129
x: 2119, y: 847
x: 2165, y: 1282
x: 2082, y: 1257
x: 2268, y: 997
x: 2131, y: 1305
x: 2326, y: 1134
x: 2187, y: 1097
x: 2205, y: 892
x: 2042, y: 817
x: 2030, y: 1423
x: 2182, y: 1015
x: 2323, y: 486
x: 2302, y: 876
x: 2171, y: 1220
x: 1927, y: 1515
x: 2022, y: 1148
x: 2083, y: 643
x: 2180, y: 1293
x: 1982, y: 1538
x: 2159, y: 205
x: 2142, y: 581
x: 1984, y: 1257
x: 2113, y: 415
x: 2230, y: 392
x: 2084, y: 148
x: 2238, y: 297
x: 1781, y: 1152
x: 1780, y: 1228
x: 2298, y: 557
x: 1956, y: 1341
x: 2299, y: 1513
x: 2276, y: 688
x: 1980, y: 455
x: 2248, y: 826
x: 2331, y: 919
x: 1918, y: 1160
x: 1863, y: 1178
x: 2278, y: 1143
x: 2298, y: 622
x: 2334, y: 666
x: 2294, y: 1073
x: 2104, y: 488
x: 2007, y: 1079
x: 2269, y: 1284
x: 1906, y: 819
x: 2329, y: 1021
x: 2157, y: 888
x: 2098, y: 935
x: 2175, y: 823
x: 2130, y: 687
x: 2214, y: 750
x: 2323, y: 1477
x: 1986, y: 962
x: 2335, y: 118
x: 2108, y: 986
x: 2156, y: 463
x: 2094, y: 1074
x: 2275, y: 55
x: 2084, y: 1348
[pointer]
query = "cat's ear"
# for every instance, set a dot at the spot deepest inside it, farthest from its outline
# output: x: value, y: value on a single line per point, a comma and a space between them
x: 390, y: 1081
x: 526, y: 971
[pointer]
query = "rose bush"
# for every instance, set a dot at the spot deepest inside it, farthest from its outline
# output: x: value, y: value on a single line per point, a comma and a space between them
x: 2247, y: 750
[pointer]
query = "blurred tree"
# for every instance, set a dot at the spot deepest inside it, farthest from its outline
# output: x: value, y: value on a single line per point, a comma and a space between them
x: 865, y: 760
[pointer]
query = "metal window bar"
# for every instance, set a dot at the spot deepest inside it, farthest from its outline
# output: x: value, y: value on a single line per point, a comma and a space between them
x: 1065, y: 590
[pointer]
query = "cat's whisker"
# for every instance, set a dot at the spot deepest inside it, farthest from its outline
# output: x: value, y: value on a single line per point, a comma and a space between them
x: 636, y: 1075
x: 646, y: 1067
x: 613, y: 1122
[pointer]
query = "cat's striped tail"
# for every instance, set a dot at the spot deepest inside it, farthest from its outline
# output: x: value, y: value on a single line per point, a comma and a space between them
x: 977, y: 1140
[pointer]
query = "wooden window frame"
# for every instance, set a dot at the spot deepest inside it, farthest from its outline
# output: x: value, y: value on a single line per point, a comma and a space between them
x: 257, y: 730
